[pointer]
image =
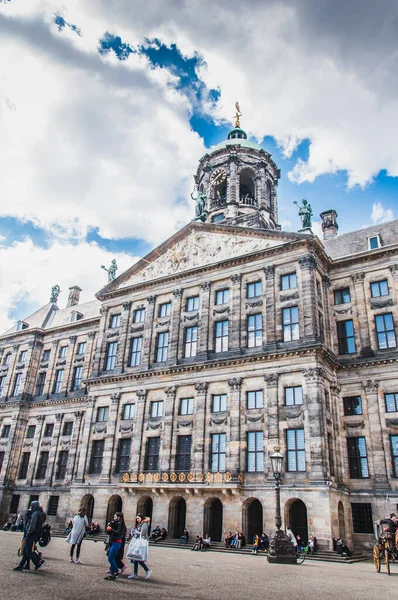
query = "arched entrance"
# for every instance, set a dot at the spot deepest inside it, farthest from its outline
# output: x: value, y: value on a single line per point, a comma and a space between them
x: 298, y: 519
x: 177, y: 514
x: 115, y: 504
x: 212, y: 520
x: 145, y: 506
x: 88, y: 503
x: 252, y: 518
x: 340, y: 511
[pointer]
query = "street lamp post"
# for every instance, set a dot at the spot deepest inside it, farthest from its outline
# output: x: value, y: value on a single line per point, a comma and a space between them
x: 281, y: 548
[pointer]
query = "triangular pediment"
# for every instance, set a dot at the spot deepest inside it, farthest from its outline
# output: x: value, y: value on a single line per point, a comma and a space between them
x: 198, y: 245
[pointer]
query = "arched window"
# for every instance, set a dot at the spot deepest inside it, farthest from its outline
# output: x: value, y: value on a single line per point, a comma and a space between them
x: 247, y: 187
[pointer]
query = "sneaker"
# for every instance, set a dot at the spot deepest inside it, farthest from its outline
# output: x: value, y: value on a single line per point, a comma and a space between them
x: 133, y: 576
x: 39, y: 564
x: 78, y: 562
x: 71, y: 560
x: 148, y: 574
x: 110, y: 578
x: 26, y: 568
x: 18, y: 569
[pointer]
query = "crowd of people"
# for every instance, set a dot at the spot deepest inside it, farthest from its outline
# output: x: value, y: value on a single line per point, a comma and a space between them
x: 14, y: 523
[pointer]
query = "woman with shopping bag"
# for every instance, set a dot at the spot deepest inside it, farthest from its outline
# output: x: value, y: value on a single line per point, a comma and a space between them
x: 137, y: 551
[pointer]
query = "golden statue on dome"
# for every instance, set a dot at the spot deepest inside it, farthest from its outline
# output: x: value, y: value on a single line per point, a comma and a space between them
x: 237, y: 115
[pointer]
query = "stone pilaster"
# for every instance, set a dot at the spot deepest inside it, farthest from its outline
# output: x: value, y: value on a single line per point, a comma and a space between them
x: 338, y: 440
x: 234, y: 329
x: 32, y: 365
x: 123, y: 349
x: 308, y: 316
x: 84, y: 449
x: 175, y: 326
x: 110, y: 441
x: 262, y: 188
x: 137, y: 446
x: 148, y: 329
x: 8, y: 389
x: 270, y: 317
x: 168, y: 429
x: 314, y: 423
x: 327, y: 324
x: 49, y: 382
x: 375, y: 448
x: 73, y: 448
x: 99, y: 356
x: 233, y: 183
x: 236, y: 443
x: 89, y: 356
x: 53, y: 449
x: 35, y: 450
x: 272, y: 404
x: 204, y: 319
x: 68, y: 376
x: 200, y: 444
x: 362, y: 326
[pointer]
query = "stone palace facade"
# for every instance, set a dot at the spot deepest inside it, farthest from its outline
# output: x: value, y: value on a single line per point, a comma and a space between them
x: 168, y: 392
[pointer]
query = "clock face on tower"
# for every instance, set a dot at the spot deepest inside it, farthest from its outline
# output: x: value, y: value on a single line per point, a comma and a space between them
x: 217, y: 176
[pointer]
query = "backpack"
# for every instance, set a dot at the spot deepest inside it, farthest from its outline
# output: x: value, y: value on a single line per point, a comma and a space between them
x: 45, y: 536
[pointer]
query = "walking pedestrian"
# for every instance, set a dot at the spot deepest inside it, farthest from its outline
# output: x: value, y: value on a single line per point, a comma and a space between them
x: 142, y: 525
x: 75, y: 537
x: 32, y: 532
x: 117, y: 532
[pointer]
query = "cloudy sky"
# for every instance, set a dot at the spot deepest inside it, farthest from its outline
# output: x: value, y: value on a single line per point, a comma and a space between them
x: 107, y: 105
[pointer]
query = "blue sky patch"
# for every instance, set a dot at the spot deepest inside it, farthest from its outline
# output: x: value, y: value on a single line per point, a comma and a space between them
x: 61, y: 23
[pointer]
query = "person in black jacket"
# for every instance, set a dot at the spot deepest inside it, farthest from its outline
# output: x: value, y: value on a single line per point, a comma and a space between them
x: 117, y: 532
x: 32, y: 532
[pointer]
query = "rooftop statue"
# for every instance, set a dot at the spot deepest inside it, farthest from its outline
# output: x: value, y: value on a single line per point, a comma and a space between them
x: 200, y: 208
x: 305, y: 214
x: 111, y: 271
x: 55, y: 291
x: 237, y: 115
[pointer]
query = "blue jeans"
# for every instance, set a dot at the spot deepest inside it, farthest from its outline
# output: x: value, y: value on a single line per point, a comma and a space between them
x: 113, y: 550
x: 28, y: 553
x: 143, y: 565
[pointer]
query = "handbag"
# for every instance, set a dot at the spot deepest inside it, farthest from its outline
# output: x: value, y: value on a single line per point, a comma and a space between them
x: 138, y: 549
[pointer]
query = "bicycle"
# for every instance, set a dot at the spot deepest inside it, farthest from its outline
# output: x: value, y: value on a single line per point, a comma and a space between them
x: 301, y: 553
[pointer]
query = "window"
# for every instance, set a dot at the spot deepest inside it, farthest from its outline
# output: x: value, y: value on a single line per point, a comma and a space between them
x: 385, y: 331
x: 152, y: 454
x: 46, y: 355
x: 357, y: 458
x: 254, y: 330
x: 183, y: 457
x: 331, y: 455
x: 394, y: 453
x: 135, y: 354
x: 342, y: 296
x: 52, y: 507
x: 289, y: 281
x: 63, y: 351
x: 115, y: 321
x: 123, y: 456
x: 22, y: 356
x: 255, y: 399
x: 191, y: 342
x: 156, y: 409
x: 97, y: 454
x: 352, y: 405
x: 162, y: 347
x: 2, y: 455
x: 222, y: 296
x: 221, y: 336
x: 362, y: 519
x: 17, y: 384
x: 7, y: 359
x: 254, y: 290
x: 218, y: 217
x: 42, y: 465
x: 21, y: 325
x: 186, y: 406
x: 41, y: 380
x: 346, y: 337
x: 295, y: 450
x: 391, y: 402
x: 23, y: 468
x: 2, y: 384
x: 218, y: 452
x: 290, y: 322
x: 374, y: 242
x: 75, y: 316
x: 14, y: 504
x: 219, y: 403
x: 67, y: 428
x: 293, y: 395
x: 255, y: 451
x: 128, y: 411
x: 31, y: 431
x: 59, y: 375
x: 111, y: 353
x: 77, y: 378
x: 165, y: 309
x: 49, y: 429
x: 379, y: 288
x: 139, y: 315
x: 81, y: 348
x: 5, y: 432
x: 102, y: 413
x: 62, y: 464
x: 192, y: 303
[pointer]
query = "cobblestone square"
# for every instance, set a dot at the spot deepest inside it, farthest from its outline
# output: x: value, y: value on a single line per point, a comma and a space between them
x: 180, y: 574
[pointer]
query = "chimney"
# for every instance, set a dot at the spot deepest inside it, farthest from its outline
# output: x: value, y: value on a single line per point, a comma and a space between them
x: 74, y: 296
x: 329, y: 223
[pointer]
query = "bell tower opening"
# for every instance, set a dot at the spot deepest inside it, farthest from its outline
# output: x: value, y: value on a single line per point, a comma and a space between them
x: 247, y: 193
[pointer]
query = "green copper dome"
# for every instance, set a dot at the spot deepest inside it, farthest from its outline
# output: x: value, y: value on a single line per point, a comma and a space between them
x: 236, y: 136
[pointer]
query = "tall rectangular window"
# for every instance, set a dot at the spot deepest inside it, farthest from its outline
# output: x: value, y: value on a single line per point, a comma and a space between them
x: 5, y: 432
x: 14, y: 504
x: 46, y: 355
x: 162, y: 347
x: 295, y: 450
x: 3, y: 379
x: 192, y: 303
x: 31, y: 431
x: 293, y: 395
x: 219, y: 403
x: 218, y: 452
x: 97, y: 454
x: 17, y: 384
x: 222, y: 296
x: 2, y: 455
x: 255, y: 451
x: 254, y: 330
x: 379, y: 288
x: 183, y: 458
x: 165, y: 309
x: 221, y: 334
x: 41, y: 380
x: 342, y: 296
x: 156, y: 409
x: 373, y: 242
x: 152, y: 454
x: 67, y: 428
x: 63, y: 351
x: 22, y: 356
x: 394, y: 453
x: 123, y: 456
x: 191, y: 342
x: 289, y: 281
x: 42, y: 465
x: 254, y: 290
x: 362, y: 519
x: 255, y: 399
x: 77, y: 378
x: 346, y: 337
x: 385, y: 331
x: 102, y: 413
x: 139, y: 315
x: 391, y: 402
x: 81, y: 348
x: 186, y: 406
x: 128, y: 411
x: 331, y: 455
x: 357, y: 458
x: 290, y: 322
x: 62, y: 464
x: 7, y: 359
x: 52, y: 507
x: 135, y: 354
x: 352, y: 405
x: 59, y: 376
x: 115, y: 321
x: 111, y: 354
x: 24, y: 464
x: 49, y: 429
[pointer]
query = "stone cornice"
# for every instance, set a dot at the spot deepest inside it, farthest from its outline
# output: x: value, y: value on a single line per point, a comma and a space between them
x: 42, y: 334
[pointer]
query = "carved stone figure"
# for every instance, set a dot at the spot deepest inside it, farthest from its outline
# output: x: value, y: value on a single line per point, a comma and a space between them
x: 200, y: 199
x: 55, y: 292
x: 305, y: 214
x: 111, y: 271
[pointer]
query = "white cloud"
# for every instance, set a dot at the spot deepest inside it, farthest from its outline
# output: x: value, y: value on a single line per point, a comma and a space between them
x: 381, y: 214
